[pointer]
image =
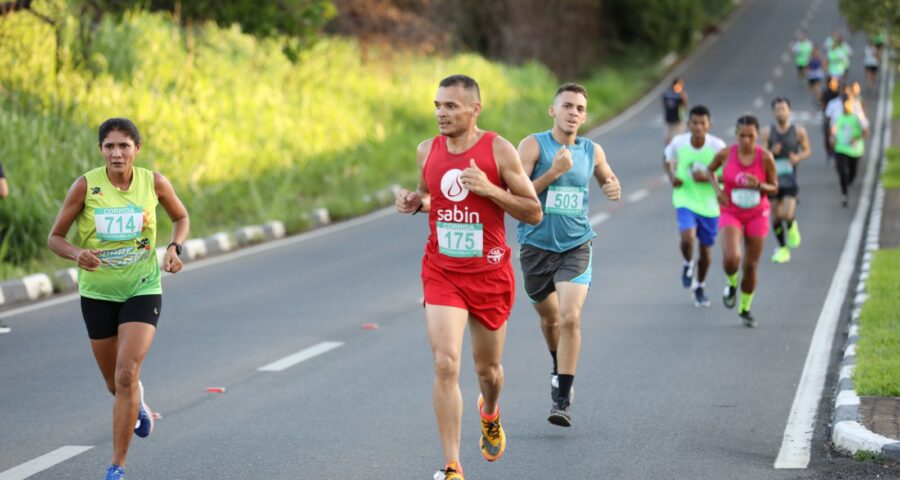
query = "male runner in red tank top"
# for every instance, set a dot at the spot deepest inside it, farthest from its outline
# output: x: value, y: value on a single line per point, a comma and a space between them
x: 470, y: 178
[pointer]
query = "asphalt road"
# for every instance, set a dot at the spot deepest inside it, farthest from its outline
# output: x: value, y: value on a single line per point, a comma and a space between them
x: 665, y: 390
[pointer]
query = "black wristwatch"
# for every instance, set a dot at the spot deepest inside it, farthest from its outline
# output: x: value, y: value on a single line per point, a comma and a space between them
x: 177, y: 248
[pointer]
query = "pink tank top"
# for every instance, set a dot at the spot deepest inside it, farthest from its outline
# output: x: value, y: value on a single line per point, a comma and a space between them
x: 743, y: 200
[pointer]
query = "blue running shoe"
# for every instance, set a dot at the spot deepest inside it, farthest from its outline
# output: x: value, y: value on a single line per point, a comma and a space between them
x: 144, y: 426
x: 687, y: 275
x: 115, y: 472
x: 700, y: 298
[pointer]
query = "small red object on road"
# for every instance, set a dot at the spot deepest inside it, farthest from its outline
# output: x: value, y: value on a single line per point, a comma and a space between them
x: 215, y: 390
x: 370, y: 326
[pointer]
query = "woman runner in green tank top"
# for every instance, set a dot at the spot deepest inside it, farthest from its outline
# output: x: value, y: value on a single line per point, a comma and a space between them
x: 114, y: 211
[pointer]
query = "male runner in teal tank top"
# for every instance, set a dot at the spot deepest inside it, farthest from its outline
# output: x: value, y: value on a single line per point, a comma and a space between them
x: 556, y: 253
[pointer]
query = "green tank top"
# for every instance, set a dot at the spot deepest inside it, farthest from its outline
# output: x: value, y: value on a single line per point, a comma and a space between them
x: 699, y: 198
x: 122, y: 225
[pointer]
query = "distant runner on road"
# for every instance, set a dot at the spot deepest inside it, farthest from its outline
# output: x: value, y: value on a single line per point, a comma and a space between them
x: 686, y: 160
x: 748, y: 179
x: 789, y: 144
x: 674, y: 101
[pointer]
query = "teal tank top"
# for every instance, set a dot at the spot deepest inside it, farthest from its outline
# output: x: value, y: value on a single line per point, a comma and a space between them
x: 565, y: 202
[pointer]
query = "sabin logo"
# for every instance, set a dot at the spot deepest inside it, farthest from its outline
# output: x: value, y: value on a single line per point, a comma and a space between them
x: 452, y: 187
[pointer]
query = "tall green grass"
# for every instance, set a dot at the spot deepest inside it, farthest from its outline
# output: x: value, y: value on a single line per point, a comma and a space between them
x: 244, y: 134
x: 877, y: 369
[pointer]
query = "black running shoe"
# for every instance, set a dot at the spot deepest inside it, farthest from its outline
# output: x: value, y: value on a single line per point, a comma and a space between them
x: 559, y: 413
x: 729, y: 297
x: 747, y: 319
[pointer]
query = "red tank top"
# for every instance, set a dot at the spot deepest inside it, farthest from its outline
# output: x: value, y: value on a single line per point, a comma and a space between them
x: 743, y: 200
x: 467, y: 231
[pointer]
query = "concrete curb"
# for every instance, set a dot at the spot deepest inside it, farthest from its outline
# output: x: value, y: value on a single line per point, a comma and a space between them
x: 847, y: 432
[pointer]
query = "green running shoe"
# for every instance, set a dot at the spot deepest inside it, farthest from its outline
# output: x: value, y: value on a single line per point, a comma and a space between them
x: 782, y: 255
x: 794, y: 238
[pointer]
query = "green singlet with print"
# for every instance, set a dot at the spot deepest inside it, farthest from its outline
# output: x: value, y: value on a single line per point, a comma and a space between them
x: 122, y: 225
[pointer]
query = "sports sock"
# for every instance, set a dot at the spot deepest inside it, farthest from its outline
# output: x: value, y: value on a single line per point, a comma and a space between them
x: 779, y: 231
x: 565, y: 385
x: 746, y: 300
x: 733, y: 279
x: 553, y: 354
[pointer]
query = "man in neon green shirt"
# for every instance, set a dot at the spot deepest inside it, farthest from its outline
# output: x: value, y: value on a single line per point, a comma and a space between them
x: 686, y: 161
x: 803, y: 50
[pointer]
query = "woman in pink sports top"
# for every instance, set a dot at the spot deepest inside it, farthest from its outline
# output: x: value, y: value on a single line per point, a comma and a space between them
x: 749, y: 178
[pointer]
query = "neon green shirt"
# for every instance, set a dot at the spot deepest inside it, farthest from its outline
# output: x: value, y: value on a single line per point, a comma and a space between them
x: 699, y: 198
x: 802, y: 52
x: 122, y: 225
x: 849, y: 136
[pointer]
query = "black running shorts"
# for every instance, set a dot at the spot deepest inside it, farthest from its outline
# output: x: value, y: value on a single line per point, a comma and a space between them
x: 103, y: 317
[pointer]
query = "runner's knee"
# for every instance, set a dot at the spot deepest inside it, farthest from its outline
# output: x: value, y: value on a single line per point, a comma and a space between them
x: 570, y: 321
x: 126, y: 376
x: 488, y: 372
x: 446, y: 366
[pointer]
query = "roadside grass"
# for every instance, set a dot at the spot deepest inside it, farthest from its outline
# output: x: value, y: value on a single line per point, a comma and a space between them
x: 877, y: 371
x: 890, y: 175
x: 244, y: 135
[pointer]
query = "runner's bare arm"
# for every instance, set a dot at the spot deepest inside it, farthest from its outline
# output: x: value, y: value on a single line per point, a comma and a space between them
x: 670, y: 164
x: 519, y: 200
x: 713, y: 167
x: 419, y: 200
x: 770, y: 186
x: 181, y: 221
x: 4, y: 188
x: 764, y: 137
x: 605, y: 176
x: 530, y: 152
x: 805, y: 149
x: 72, y: 206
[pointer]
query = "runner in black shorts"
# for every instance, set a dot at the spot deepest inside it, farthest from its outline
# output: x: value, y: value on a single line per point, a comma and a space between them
x: 789, y: 144
x: 114, y: 211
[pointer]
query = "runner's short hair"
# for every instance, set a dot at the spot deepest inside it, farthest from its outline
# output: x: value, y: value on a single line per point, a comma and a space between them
x: 118, y: 124
x: 699, y: 110
x: 570, y: 87
x: 465, y: 81
x: 778, y: 100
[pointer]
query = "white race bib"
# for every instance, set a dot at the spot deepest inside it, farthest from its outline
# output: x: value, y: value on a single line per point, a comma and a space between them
x: 120, y: 223
x: 783, y: 167
x: 460, y: 239
x: 745, y: 197
x: 565, y: 200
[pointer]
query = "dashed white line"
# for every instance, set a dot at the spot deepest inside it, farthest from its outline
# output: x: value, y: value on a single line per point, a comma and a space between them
x: 804, y: 24
x: 637, y: 196
x: 777, y: 72
x: 43, y: 462
x: 768, y: 87
x: 758, y: 102
x: 785, y: 57
x: 301, y: 356
x: 599, y: 218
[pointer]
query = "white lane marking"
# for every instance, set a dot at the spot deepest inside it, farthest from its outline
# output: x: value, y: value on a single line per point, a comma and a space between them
x: 43, y: 462
x: 600, y: 218
x: 777, y: 72
x: 797, y: 440
x: 804, y: 24
x: 785, y: 57
x: 637, y: 196
x: 301, y: 356
x: 758, y: 102
x: 768, y: 87
x: 370, y: 217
